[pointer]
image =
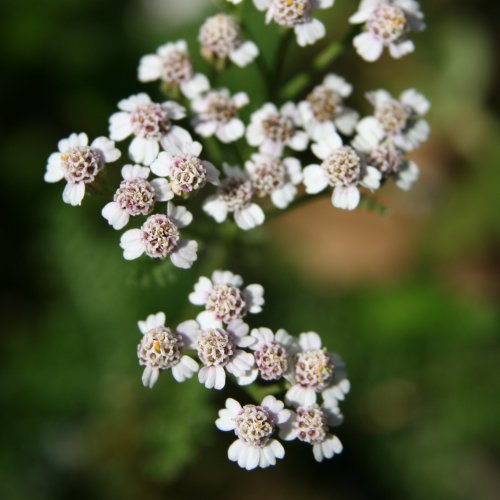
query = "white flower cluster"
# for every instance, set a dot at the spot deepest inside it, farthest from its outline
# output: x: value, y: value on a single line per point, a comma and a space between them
x: 168, y: 165
x: 223, y: 343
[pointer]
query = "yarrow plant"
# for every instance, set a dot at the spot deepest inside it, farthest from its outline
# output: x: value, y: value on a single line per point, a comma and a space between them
x: 208, y: 163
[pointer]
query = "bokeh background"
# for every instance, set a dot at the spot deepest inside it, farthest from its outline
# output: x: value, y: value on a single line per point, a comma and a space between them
x: 409, y: 299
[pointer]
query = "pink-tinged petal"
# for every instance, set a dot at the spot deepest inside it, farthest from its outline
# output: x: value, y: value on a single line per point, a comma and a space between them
x: 74, y: 193
x: 346, y: 198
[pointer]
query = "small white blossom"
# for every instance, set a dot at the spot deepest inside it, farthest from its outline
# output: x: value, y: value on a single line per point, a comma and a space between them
x: 272, y: 353
x: 398, y: 120
x: 343, y: 169
x: 160, y: 237
x: 387, y: 24
x: 184, y: 168
x: 219, y: 350
x: 311, y: 424
x: 323, y: 112
x: 274, y: 177
x: 173, y: 66
x: 79, y: 164
x: 271, y: 129
x: 151, y: 124
x: 220, y: 38
x: 217, y: 114
x: 225, y: 299
x: 254, y: 426
x: 235, y: 195
x: 296, y: 14
x: 162, y: 348
x: 135, y: 196
x: 315, y: 370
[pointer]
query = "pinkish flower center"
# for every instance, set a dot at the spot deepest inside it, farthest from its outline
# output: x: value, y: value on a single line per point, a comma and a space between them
x: 325, y: 104
x: 177, y: 68
x: 187, y: 174
x: 227, y: 302
x: 160, y: 348
x: 220, y: 108
x: 236, y: 193
x: 271, y: 360
x: 387, y: 158
x: 393, y: 116
x: 388, y: 23
x: 291, y: 12
x: 278, y: 128
x: 81, y: 164
x: 160, y: 235
x: 150, y: 121
x: 268, y: 176
x: 215, y: 347
x: 254, y: 425
x: 343, y: 167
x: 219, y: 36
x: 311, y: 424
x: 313, y: 369
x: 135, y: 196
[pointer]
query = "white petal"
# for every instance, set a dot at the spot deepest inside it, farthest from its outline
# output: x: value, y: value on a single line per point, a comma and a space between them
x: 150, y: 376
x: 315, y: 179
x: 150, y: 68
x: 346, y: 122
x: 212, y: 173
x: 231, y: 131
x: 254, y: 298
x: 227, y: 278
x: 134, y: 172
x: 346, y: 197
x: 174, y: 110
x: 202, y: 289
x: 162, y: 189
x: 368, y: 47
x: 74, y: 193
x: 338, y: 84
x: 143, y: 150
x: 240, y: 99
x: 206, y: 129
x: 234, y: 451
x: 185, y: 254
x: 284, y: 196
x: 372, y: 178
x: 253, y: 458
x: 369, y: 135
x: 208, y: 319
x: 196, y: 86
x: 262, y: 4
x: 308, y: 33
x: 216, y: 208
x: 184, y: 369
x: 115, y: 215
x: 298, y: 141
x: 120, y: 126
x: 179, y: 214
x: 249, y: 217
x: 300, y: 396
x: 244, y: 54
x: 416, y: 100
x: 107, y: 149
x: 55, y: 170
x: 398, y: 50
x: 189, y: 331
x: 132, y: 244
x: 175, y: 139
x: 310, y: 341
x: 134, y: 101
x: 327, y: 146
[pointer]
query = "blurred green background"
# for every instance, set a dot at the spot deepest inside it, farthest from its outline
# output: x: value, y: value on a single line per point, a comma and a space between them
x: 409, y: 300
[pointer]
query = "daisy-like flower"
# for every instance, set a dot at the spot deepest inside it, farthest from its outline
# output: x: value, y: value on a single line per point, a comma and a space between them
x: 272, y: 353
x: 160, y: 237
x: 323, y: 112
x: 173, y: 66
x: 343, y: 169
x: 220, y: 350
x: 398, y: 120
x: 151, y: 124
x: 220, y: 38
x: 217, y: 114
x: 384, y: 155
x: 162, y: 348
x: 311, y: 424
x: 184, y: 168
x: 274, y: 177
x: 387, y: 24
x: 79, y: 164
x: 254, y: 426
x: 314, y: 371
x: 271, y: 129
x: 235, y: 195
x: 296, y: 14
x: 225, y: 299
x: 135, y: 196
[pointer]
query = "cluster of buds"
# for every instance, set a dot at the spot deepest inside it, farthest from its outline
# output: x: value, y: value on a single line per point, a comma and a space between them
x: 168, y: 166
x: 313, y: 380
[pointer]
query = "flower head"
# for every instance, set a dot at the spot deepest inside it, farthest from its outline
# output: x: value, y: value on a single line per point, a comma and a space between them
x: 79, y: 164
x: 296, y: 14
x: 217, y: 114
x: 135, y: 196
x: 274, y: 177
x: 323, y: 111
x: 220, y: 38
x: 235, y: 194
x: 160, y: 237
x: 314, y: 371
x: 387, y: 23
x: 173, y: 66
x: 219, y: 350
x: 151, y: 124
x: 162, y: 348
x: 311, y: 424
x: 343, y: 169
x: 271, y: 129
x: 225, y: 299
x: 184, y: 168
x: 397, y: 120
x: 254, y: 426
